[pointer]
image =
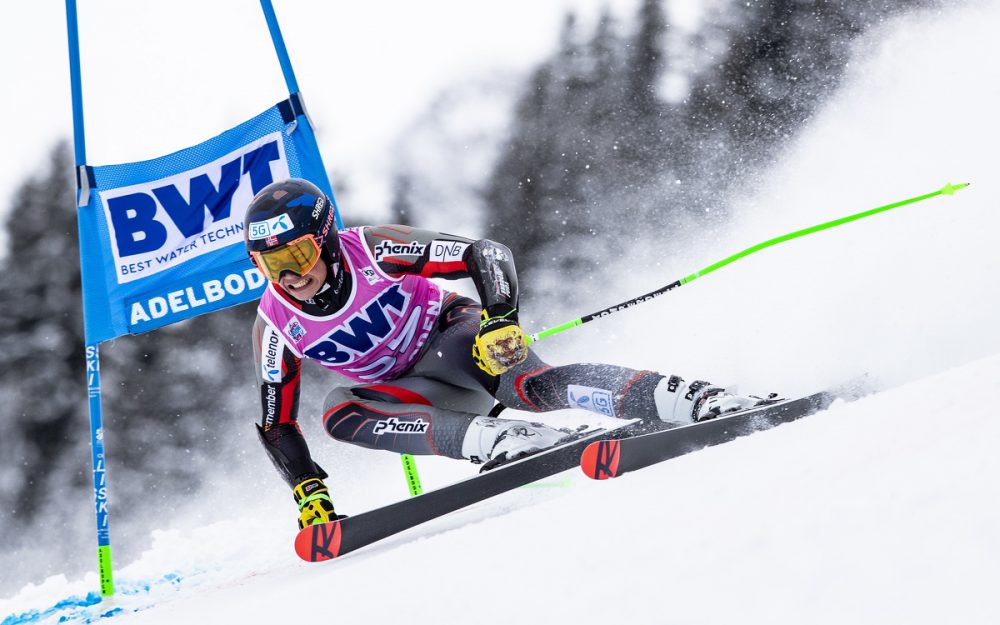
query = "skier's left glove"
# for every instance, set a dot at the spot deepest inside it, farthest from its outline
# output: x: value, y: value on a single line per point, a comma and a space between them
x: 500, y: 343
x: 314, y: 502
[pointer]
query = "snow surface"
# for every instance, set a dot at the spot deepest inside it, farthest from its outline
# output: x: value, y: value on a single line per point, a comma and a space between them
x: 879, y: 511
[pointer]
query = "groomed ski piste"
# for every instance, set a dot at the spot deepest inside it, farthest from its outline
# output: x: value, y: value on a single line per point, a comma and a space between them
x: 876, y: 511
x: 882, y: 510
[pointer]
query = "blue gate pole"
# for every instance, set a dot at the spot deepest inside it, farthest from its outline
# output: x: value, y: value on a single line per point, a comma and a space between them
x: 92, y: 351
x: 293, y: 89
x: 279, y: 46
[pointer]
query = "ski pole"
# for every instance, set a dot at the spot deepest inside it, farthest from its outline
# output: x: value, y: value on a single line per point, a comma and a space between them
x: 948, y: 189
x: 412, y: 477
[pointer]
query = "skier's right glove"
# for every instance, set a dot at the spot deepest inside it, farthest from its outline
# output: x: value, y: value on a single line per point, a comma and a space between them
x: 314, y: 502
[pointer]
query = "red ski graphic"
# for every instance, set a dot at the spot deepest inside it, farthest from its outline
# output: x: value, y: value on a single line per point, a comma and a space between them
x: 614, y: 457
x: 600, y: 460
x: 326, y: 541
x: 319, y: 542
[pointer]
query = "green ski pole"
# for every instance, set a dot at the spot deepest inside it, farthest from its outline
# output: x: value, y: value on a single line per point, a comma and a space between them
x: 412, y: 477
x: 948, y: 189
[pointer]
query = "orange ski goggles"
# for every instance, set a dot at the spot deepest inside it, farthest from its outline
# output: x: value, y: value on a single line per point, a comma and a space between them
x: 298, y: 256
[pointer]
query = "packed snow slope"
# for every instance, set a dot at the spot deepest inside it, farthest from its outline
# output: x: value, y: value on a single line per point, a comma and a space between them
x: 879, y: 511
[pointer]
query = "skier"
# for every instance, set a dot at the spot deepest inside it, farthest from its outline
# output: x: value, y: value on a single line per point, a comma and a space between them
x: 428, y: 363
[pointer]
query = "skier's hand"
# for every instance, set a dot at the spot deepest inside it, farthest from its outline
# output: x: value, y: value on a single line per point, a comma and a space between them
x: 500, y: 343
x: 314, y: 502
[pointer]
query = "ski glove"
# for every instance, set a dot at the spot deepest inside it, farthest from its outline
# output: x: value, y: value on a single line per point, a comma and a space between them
x: 500, y: 343
x: 314, y: 502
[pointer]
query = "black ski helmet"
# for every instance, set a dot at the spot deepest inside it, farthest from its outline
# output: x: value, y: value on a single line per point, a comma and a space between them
x: 288, y: 210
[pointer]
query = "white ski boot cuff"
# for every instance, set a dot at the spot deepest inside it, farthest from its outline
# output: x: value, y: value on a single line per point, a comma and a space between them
x: 677, y: 402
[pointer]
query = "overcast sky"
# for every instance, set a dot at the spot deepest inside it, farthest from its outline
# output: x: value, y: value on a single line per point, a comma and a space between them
x: 160, y: 76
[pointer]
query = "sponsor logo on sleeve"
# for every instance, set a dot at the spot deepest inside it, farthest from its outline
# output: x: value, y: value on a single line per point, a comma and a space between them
x: 270, y: 362
x: 392, y: 248
x: 271, y: 403
x: 447, y: 251
x: 593, y: 399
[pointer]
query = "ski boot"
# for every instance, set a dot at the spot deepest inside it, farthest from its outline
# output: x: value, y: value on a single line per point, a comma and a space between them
x: 497, y: 441
x: 716, y: 402
x: 679, y: 404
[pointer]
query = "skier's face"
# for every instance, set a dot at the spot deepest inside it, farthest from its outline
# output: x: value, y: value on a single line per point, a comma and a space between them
x: 306, y: 286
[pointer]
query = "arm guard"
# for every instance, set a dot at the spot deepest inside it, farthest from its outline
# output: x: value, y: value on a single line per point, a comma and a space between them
x: 287, y: 449
x: 491, y: 266
x: 278, y: 430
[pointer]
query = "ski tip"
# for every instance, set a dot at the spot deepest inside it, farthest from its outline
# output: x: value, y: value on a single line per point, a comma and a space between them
x: 600, y: 459
x: 319, y: 542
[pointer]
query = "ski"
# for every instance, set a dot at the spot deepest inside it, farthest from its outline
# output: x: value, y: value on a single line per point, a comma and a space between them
x: 611, y: 457
x: 325, y: 541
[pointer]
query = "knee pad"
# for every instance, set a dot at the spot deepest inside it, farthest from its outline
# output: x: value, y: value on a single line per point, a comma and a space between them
x: 343, y: 414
